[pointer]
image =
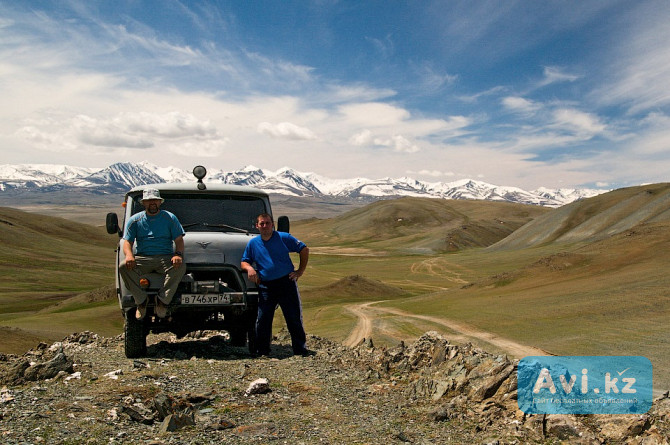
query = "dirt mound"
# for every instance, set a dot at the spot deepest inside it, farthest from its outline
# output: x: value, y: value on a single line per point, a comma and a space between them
x: 355, y: 287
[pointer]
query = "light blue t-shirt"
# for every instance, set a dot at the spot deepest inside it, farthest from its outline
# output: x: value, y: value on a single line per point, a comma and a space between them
x: 272, y: 256
x: 154, y: 234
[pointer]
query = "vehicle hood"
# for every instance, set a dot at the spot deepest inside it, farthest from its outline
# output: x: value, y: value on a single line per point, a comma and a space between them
x: 215, y: 247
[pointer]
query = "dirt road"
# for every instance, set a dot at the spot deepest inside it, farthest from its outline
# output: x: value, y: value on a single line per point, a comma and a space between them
x: 366, y: 313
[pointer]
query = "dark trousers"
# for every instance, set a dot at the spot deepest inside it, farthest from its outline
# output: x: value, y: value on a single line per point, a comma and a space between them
x: 282, y: 292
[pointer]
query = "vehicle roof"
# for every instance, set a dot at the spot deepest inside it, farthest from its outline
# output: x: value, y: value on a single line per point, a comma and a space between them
x: 193, y: 187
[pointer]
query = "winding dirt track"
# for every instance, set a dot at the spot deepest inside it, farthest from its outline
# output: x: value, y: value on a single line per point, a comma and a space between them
x: 365, y: 314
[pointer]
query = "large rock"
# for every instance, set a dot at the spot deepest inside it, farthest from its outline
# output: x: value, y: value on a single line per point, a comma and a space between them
x: 175, y: 422
x: 50, y: 369
x: 622, y: 426
x: 14, y: 374
x: 467, y: 381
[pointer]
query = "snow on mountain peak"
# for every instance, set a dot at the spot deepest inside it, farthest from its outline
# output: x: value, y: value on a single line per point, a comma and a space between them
x: 124, y: 175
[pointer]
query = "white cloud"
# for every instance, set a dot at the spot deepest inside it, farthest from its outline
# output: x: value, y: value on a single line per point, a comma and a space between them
x: 554, y: 74
x: 373, y: 114
x: 362, y: 138
x: 286, y: 130
x: 520, y: 104
x: 430, y: 173
x: 137, y: 130
x: 201, y: 149
x: 396, y: 142
x: 403, y: 145
x: 46, y: 140
x: 170, y: 125
x: 586, y: 125
x: 430, y: 80
x: 384, y: 47
x: 654, y: 139
x: 472, y: 98
x: 639, y: 73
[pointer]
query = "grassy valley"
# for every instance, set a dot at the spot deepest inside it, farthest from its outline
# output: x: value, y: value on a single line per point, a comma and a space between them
x: 595, y: 285
x: 46, y: 262
x: 585, y: 279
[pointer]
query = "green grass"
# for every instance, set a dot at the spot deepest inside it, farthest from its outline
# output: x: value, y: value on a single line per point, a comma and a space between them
x: 606, y: 297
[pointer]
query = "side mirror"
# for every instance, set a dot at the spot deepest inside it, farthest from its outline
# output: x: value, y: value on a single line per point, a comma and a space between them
x: 112, y: 224
x: 283, y: 224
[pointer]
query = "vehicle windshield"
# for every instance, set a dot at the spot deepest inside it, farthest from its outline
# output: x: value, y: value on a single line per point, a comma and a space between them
x: 208, y: 212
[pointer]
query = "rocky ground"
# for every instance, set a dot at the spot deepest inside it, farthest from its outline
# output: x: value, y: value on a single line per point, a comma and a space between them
x: 201, y: 390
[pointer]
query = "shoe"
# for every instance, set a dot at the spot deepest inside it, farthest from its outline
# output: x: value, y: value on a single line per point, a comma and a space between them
x: 306, y: 353
x: 161, y: 308
x: 261, y: 354
x: 141, y: 311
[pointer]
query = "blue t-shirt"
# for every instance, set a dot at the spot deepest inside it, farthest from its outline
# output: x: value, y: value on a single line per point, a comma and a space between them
x: 154, y: 234
x: 272, y: 256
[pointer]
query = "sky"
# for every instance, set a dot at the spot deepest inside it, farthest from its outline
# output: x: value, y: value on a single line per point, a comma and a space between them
x: 558, y: 94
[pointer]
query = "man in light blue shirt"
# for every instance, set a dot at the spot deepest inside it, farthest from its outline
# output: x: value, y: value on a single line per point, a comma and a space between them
x: 276, y: 278
x: 154, y: 232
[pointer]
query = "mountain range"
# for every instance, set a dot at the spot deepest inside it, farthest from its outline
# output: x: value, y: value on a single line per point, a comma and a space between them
x: 119, y: 177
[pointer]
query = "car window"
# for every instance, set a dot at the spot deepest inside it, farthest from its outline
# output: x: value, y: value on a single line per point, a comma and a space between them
x: 208, y: 212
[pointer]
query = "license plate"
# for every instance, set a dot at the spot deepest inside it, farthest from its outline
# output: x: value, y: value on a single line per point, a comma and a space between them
x: 196, y: 299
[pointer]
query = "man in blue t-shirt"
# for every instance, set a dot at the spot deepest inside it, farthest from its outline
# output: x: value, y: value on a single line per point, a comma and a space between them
x: 276, y: 278
x: 154, y: 231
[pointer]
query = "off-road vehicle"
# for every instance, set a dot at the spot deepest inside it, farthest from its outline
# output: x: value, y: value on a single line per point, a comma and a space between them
x: 214, y: 293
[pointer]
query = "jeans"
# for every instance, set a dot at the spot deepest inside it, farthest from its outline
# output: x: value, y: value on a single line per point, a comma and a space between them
x: 282, y: 292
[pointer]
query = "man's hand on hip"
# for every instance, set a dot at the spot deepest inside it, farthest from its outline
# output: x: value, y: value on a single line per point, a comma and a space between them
x: 295, y: 275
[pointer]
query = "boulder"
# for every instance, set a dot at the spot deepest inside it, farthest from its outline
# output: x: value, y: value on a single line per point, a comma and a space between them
x: 50, y: 369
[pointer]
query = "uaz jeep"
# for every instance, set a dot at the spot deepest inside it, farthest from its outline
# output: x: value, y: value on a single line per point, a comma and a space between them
x: 214, y: 294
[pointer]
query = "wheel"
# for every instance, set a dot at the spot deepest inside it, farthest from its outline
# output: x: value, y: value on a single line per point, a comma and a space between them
x: 135, y: 337
x: 246, y: 330
x: 238, y: 337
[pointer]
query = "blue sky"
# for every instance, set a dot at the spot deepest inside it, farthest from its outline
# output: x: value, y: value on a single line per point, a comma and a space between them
x: 517, y: 93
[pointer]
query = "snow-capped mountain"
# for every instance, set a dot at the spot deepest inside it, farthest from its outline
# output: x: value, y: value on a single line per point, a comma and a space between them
x: 119, y: 177
x: 12, y: 176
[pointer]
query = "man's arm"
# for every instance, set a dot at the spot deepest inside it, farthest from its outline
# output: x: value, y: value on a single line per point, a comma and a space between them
x: 128, y: 252
x: 251, y: 272
x: 178, y: 247
x: 304, y: 258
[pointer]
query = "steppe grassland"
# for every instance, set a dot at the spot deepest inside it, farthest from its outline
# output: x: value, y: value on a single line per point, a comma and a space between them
x: 602, y: 298
x: 606, y: 298
x: 46, y: 261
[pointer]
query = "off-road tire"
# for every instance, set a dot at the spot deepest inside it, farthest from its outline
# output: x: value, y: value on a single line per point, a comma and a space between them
x: 245, y: 334
x: 238, y: 336
x: 135, y: 337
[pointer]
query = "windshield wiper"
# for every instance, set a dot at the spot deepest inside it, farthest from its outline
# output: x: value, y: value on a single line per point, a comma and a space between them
x: 226, y: 226
x: 219, y: 226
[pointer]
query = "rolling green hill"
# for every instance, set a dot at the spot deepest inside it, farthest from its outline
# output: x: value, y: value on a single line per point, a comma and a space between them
x: 46, y: 261
x: 595, y: 218
x: 419, y: 225
x: 589, y: 278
